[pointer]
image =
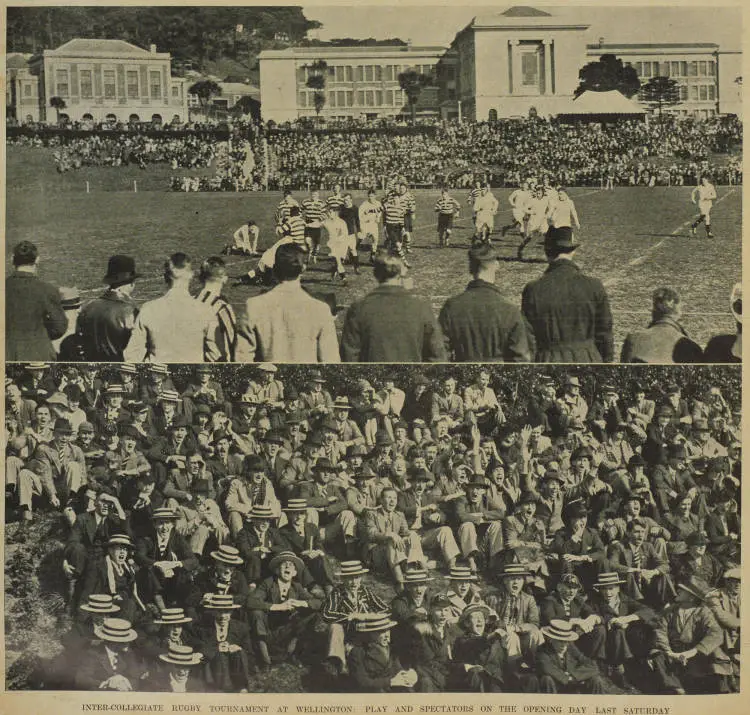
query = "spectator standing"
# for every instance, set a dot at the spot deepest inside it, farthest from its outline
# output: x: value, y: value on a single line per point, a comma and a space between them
x: 568, y: 311
x: 34, y: 315
x: 389, y: 324
x: 664, y: 340
x: 175, y: 327
x: 287, y: 324
x: 479, y: 324
x: 106, y: 323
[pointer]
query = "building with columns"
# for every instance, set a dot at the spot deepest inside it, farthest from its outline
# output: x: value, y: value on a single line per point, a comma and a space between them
x: 502, y: 64
x: 98, y: 80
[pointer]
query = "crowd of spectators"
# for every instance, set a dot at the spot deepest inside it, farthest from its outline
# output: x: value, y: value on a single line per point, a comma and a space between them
x: 633, y: 153
x: 674, y: 151
x: 221, y: 522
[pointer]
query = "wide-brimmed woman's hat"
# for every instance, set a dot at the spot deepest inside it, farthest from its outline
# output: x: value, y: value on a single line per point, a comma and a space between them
x: 227, y: 555
x: 182, y: 655
x: 283, y: 556
x: 115, y: 630
x: 352, y: 568
x: 608, y: 578
x: 100, y: 603
x: 172, y: 617
x: 376, y: 625
x: 559, y: 630
x: 219, y: 602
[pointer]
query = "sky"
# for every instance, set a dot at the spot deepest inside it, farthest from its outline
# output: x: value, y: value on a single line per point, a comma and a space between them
x: 426, y: 24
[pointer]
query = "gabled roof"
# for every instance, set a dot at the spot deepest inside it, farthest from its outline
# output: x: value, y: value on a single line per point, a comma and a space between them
x: 524, y: 11
x: 83, y: 47
x: 16, y: 60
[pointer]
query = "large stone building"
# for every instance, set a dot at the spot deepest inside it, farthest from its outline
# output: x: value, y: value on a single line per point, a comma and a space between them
x: 360, y: 81
x: 98, y: 80
x: 500, y: 64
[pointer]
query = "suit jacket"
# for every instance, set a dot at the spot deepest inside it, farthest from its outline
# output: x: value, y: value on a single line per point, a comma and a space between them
x: 34, y: 317
x: 626, y: 607
x: 433, y: 656
x: 317, y: 496
x: 379, y: 525
x: 105, y: 325
x: 475, y: 513
x: 715, y: 531
x: 391, y: 325
x: 85, y: 533
x: 94, y: 668
x: 589, y: 545
x: 297, y: 543
x: 664, y: 341
x: 268, y: 594
x: 247, y: 540
x: 682, y: 628
x: 570, y: 315
x: 572, y: 667
x: 621, y: 557
x: 146, y: 551
x: 552, y: 607
x: 371, y: 668
x: 51, y: 468
x: 489, y: 653
x: 527, y: 609
x: 238, y: 633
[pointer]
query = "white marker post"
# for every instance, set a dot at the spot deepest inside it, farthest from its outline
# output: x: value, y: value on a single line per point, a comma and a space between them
x: 135, y: 186
x: 87, y: 188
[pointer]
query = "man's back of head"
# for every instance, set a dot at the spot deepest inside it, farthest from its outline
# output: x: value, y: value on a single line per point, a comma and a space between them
x: 25, y: 254
x: 290, y: 262
x: 387, y: 267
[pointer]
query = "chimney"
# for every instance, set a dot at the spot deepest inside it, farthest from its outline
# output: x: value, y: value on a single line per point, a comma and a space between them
x: 152, y: 49
x: 601, y: 41
x: 408, y: 43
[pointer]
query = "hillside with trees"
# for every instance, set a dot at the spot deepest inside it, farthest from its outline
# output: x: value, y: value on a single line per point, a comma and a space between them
x: 193, y: 35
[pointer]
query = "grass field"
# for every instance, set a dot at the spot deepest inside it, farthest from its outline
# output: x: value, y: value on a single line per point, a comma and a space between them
x: 634, y: 239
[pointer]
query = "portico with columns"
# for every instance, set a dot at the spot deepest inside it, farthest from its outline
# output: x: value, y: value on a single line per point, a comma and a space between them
x: 519, y: 59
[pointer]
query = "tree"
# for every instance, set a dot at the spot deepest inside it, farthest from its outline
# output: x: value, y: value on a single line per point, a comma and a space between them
x: 660, y: 92
x: 205, y: 90
x: 412, y: 82
x: 317, y: 81
x: 607, y: 74
x: 58, y: 104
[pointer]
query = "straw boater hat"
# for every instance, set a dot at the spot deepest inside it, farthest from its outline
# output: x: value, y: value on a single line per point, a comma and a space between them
x: 376, y: 625
x: 115, y: 630
x: 473, y: 608
x: 169, y: 396
x: 352, y: 568
x: 227, y: 555
x: 296, y: 505
x: 559, y: 631
x: 341, y: 403
x: 181, y: 655
x: 261, y: 511
x: 461, y: 573
x: 159, y: 368
x: 163, y: 513
x: 100, y: 603
x: 283, y: 556
x: 266, y: 367
x: 120, y: 540
x: 33, y: 366
x: 172, y: 617
x: 514, y: 569
x: 416, y: 575
x: 608, y: 578
x: 219, y: 602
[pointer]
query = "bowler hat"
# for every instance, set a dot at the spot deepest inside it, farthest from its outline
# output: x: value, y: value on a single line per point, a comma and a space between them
x: 120, y: 270
x: 316, y: 376
x: 323, y: 465
x: 179, y: 421
x: 63, y: 425
x: 696, y: 538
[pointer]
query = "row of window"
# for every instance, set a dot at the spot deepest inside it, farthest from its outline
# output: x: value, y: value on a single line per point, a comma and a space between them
x: 702, y: 68
x: 363, y: 73
x: 360, y: 98
x: 109, y: 84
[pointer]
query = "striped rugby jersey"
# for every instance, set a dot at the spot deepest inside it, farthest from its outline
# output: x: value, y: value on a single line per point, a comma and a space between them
x: 409, y: 202
x: 226, y: 338
x: 294, y: 227
x: 474, y: 195
x: 335, y: 201
x: 447, y: 205
x: 282, y: 210
x: 394, y: 210
x: 314, y: 212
